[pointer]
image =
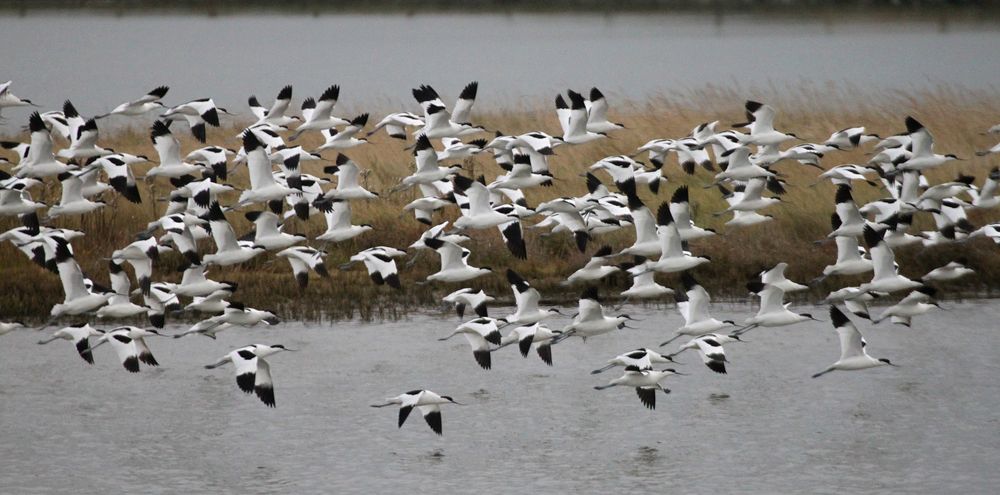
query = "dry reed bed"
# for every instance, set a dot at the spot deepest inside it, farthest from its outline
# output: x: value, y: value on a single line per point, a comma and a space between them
x: 955, y: 116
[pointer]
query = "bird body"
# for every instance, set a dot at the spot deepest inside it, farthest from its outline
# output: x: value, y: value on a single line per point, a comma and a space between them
x: 429, y: 404
x: 853, y: 355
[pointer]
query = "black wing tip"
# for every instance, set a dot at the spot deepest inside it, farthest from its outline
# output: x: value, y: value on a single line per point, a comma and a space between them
x: 872, y: 237
x: 433, y: 419
x: 470, y: 91
x: 266, y: 395
x: 483, y: 358
x: 131, y: 364
x: 689, y: 281
x: 285, y: 93
x: 331, y: 93
x: 681, y: 195
x: 663, y: 216
x: 843, y: 194
x: 837, y: 317
x: 717, y: 366
x: 159, y: 91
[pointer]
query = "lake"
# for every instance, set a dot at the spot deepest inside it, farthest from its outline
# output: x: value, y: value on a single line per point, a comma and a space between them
x: 99, y: 60
x: 929, y: 426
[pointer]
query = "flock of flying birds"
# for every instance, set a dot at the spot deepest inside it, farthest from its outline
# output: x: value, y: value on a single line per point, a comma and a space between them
x: 743, y: 165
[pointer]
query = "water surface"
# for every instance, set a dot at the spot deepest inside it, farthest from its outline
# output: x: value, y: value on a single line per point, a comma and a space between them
x: 929, y: 426
x: 101, y: 60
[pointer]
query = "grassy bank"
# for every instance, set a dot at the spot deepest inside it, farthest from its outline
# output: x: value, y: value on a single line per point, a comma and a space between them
x: 955, y: 117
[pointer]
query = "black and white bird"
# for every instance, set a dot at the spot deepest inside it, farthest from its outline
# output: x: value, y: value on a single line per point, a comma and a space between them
x: 80, y: 334
x: 78, y: 298
x: 9, y: 100
x: 853, y: 355
x: 642, y: 358
x: 168, y: 149
x: 454, y: 262
x: 147, y: 103
x: 429, y: 404
x: 276, y: 115
x: 693, y: 306
x: 574, y: 121
x: 380, y: 263
x: 773, y: 311
x: 923, y: 156
x: 467, y: 298
x: 344, y: 138
x: 526, y: 299
x: 953, y: 270
x: 318, y: 115
x: 439, y: 122
x: 591, y: 319
x: 40, y: 162
x: 395, y: 124
x: 597, y: 114
x: 886, y: 277
x: 235, y: 314
x: 480, y: 332
x: 537, y: 335
x: 229, y: 250
x: 916, y: 303
x: 645, y: 382
x: 130, y: 346
x: 253, y: 373
x: 120, y: 304
x: 761, y: 125
x: 196, y: 113
x: 304, y: 259
x: 710, y: 349
x: 268, y: 231
x: 673, y: 257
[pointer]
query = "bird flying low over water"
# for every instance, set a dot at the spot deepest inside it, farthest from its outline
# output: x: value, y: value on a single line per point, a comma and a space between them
x: 253, y: 373
x: 853, y: 355
x: 429, y: 404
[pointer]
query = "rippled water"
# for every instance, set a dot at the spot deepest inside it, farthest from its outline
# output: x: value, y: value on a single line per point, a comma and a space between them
x: 100, y: 60
x: 929, y: 426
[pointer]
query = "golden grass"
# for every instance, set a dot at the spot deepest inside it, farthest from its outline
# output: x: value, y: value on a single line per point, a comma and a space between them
x: 955, y: 116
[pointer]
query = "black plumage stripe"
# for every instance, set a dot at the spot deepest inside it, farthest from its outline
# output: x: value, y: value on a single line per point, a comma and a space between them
x: 131, y: 364
x: 198, y: 130
x: 838, y: 318
x: 83, y: 347
x: 581, y: 238
x: 647, y: 396
x: 245, y: 381
x: 717, y: 366
x: 266, y: 394
x: 148, y: 358
x: 470, y: 90
x: 159, y: 92
x: 404, y: 412
x: 433, y: 419
x: 524, y: 345
x: 515, y: 241
x: 545, y: 353
x: 483, y: 358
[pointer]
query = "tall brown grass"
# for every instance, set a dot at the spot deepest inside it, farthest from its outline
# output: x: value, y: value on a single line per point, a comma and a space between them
x: 955, y: 116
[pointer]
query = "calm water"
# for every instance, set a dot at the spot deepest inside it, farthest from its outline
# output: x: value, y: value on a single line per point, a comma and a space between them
x: 929, y: 426
x: 100, y: 60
